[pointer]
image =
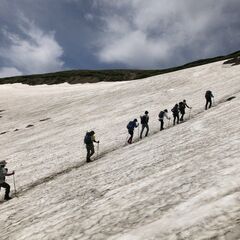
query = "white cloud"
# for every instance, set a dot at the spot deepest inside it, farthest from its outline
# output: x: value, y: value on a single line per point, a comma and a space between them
x: 9, y: 72
x: 131, y: 48
x: 149, y: 33
x: 89, y: 17
x: 35, y: 51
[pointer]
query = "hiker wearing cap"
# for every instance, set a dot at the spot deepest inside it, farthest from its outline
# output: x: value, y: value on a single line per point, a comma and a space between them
x: 162, y: 115
x: 3, y: 184
x: 131, y: 125
x: 144, y: 122
x: 89, y: 140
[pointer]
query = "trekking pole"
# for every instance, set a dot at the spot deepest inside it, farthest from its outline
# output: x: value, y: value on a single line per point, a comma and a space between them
x: 97, y: 149
x: 169, y: 122
x: 127, y: 138
x: 190, y: 113
x: 138, y: 131
x: 14, y: 184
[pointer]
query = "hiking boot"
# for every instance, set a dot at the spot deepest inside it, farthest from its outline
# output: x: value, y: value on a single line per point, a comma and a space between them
x: 7, y: 198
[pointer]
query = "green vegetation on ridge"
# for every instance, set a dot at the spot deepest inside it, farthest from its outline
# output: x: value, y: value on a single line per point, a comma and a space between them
x: 93, y: 76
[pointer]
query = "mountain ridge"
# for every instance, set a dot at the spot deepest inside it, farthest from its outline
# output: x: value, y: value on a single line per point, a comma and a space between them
x: 94, y: 76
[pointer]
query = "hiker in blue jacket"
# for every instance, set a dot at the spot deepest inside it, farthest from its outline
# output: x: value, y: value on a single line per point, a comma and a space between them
x: 131, y: 125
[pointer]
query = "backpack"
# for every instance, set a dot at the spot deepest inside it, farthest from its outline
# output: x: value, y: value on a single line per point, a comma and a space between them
x: 161, y: 114
x: 175, y: 110
x: 87, y: 138
x: 181, y: 105
x: 2, y: 175
x: 208, y: 94
x: 130, y: 125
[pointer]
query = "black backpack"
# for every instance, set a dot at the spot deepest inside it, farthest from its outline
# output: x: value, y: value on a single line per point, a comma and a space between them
x: 208, y: 94
x: 161, y: 114
x: 87, y: 138
x: 181, y: 105
x: 175, y: 110
x: 2, y: 175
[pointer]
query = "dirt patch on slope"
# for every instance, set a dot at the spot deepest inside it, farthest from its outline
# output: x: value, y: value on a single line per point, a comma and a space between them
x: 234, y: 61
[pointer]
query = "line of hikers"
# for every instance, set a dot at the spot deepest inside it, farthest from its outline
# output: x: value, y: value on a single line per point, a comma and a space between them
x: 89, y: 138
x: 177, y: 110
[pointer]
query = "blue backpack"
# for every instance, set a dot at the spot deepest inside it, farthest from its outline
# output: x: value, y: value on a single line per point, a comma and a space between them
x: 130, y: 125
x: 87, y: 138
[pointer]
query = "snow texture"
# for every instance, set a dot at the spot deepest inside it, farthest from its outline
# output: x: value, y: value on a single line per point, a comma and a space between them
x: 180, y: 183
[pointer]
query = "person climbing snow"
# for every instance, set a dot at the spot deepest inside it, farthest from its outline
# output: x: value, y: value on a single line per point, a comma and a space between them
x: 182, y: 107
x: 89, y: 140
x: 144, y: 122
x: 131, y: 125
x: 3, y: 174
x: 208, y: 96
x: 161, y: 116
x: 175, y: 111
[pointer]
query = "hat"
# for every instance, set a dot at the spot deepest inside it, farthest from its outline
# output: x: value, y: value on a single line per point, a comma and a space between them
x: 146, y: 112
x: 3, y: 163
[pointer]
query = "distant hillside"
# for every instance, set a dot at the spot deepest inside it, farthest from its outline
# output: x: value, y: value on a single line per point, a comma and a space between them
x: 93, y: 76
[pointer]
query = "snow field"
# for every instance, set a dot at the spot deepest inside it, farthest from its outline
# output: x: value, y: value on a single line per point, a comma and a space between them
x: 182, y: 183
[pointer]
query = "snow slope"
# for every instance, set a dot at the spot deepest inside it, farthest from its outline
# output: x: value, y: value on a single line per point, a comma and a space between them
x: 182, y: 183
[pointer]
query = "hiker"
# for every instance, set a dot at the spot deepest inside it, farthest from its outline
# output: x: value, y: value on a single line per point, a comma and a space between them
x: 161, y: 116
x: 131, y: 125
x: 208, y: 96
x: 3, y: 184
x: 144, y: 122
x: 182, y: 106
x: 89, y: 140
x: 175, y: 111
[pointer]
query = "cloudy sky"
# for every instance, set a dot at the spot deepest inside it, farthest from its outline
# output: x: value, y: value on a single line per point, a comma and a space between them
x: 38, y: 36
